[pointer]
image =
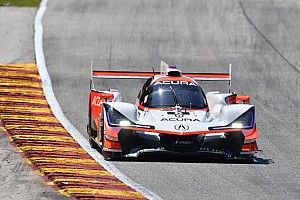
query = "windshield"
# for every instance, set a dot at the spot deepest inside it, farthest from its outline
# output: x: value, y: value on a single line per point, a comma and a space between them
x: 167, y: 95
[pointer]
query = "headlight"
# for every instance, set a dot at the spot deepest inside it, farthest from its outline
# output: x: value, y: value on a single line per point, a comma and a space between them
x: 117, y: 119
x: 245, y: 121
x: 237, y: 125
x: 124, y: 123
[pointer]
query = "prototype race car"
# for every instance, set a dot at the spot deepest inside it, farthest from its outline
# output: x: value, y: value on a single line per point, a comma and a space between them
x: 171, y: 114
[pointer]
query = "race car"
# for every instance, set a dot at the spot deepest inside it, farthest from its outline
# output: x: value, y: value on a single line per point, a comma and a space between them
x: 171, y: 114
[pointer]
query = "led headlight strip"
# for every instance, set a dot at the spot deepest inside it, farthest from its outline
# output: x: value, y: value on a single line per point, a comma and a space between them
x: 117, y: 119
x: 245, y: 121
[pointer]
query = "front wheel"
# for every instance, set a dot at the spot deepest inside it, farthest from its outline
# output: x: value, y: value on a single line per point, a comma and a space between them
x: 107, y: 155
x: 111, y: 155
x: 250, y: 158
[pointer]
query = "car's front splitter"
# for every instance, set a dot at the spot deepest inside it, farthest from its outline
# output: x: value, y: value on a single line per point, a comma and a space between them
x: 134, y: 143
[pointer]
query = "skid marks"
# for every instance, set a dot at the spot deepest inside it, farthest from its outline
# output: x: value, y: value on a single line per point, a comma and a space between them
x: 31, y: 126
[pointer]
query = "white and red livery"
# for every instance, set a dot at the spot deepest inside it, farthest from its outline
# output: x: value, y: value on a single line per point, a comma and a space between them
x: 171, y: 114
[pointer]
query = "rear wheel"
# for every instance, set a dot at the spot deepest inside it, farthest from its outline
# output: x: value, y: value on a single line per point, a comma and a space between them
x: 93, y: 144
x: 101, y: 131
x: 92, y: 135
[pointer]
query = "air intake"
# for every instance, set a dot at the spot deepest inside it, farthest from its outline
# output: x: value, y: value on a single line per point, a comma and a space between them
x: 174, y: 73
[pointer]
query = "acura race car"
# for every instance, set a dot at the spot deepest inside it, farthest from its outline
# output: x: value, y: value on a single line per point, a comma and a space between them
x: 171, y: 114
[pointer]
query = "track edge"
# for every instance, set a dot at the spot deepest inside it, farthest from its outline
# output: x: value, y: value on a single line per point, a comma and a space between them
x: 57, y: 111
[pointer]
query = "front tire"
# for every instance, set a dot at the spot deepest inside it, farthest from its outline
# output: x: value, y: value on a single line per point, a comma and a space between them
x: 249, y: 158
x: 107, y: 155
x: 110, y: 156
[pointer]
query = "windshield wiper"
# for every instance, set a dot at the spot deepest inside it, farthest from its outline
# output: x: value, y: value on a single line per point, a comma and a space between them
x: 174, y: 95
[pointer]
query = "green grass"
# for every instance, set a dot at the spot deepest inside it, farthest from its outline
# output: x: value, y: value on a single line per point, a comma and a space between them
x: 28, y: 3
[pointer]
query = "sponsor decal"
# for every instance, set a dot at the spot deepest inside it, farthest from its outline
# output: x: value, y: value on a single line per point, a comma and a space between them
x: 183, y: 142
x: 96, y: 101
x: 174, y: 83
x: 181, y: 127
x: 180, y: 119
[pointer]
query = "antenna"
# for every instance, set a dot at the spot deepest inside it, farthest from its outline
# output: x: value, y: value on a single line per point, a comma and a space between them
x: 153, y: 71
x: 229, y: 84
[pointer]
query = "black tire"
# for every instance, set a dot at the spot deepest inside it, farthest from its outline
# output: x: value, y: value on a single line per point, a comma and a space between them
x: 106, y: 154
x: 92, y: 135
x: 93, y: 144
x: 101, y: 130
x: 249, y: 158
x: 110, y: 156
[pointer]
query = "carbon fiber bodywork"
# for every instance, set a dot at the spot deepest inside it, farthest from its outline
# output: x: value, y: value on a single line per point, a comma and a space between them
x: 135, y: 142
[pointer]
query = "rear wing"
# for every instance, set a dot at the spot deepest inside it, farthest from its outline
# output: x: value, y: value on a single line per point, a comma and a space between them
x: 145, y: 75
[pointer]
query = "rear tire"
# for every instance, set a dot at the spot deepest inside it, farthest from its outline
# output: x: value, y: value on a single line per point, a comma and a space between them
x: 92, y: 135
x: 93, y: 144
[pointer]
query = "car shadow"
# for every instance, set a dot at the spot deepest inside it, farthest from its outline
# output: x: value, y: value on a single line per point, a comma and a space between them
x: 202, y: 158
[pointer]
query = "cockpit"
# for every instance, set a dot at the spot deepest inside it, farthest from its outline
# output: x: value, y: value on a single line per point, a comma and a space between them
x: 173, y: 93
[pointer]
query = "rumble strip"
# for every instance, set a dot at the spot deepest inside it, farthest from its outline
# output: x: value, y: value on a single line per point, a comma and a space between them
x: 45, y: 144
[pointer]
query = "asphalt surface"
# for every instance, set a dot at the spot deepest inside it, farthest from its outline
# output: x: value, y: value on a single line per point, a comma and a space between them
x: 16, y: 34
x: 260, y: 39
x: 17, y: 179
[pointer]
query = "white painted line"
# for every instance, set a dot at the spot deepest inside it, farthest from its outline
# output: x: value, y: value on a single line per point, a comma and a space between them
x: 47, y: 87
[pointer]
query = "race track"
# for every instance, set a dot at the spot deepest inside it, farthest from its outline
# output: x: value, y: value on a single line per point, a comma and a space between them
x: 260, y: 38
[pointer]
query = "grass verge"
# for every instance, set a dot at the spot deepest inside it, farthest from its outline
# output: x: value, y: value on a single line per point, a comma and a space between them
x: 27, y: 3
